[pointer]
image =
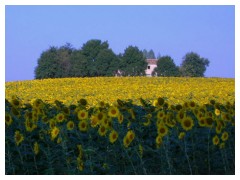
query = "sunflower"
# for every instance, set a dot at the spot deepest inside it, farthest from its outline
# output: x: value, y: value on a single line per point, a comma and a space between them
x: 192, y: 104
x: 132, y: 113
x: 217, y: 112
x: 52, y: 123
x: 102, y: 130
x: 160, y: 115
x: 147, y: 122
x: 15, y: 112
x: 120, y: 118
x: 181, y: 135
x: 160, y: 101
x: 70, y: 125
x: 201, y: 121
x: 140, y: 149
x: 215, y: 140
x: 126, y: 142
x: 113, y: 111
x: 162, y: 130
x: 222, y: 145
x: 130, y: 135
x: 101, y: 116
x: 15, y: 102
x: 36, y: 148
x: 59, y: 140
x: 113, y: 136
x: 208, y: 122
x: 219, y: 128
x: 187, y: 123
x: 181, y: 115
x: 158, y: 141
x: 80, y: 164
x: 82, y: 114
x: 94, y: 121
x: 224, y: 136
x: 30, y: 125
x: 82, y: 102
x: 18, y: 137
x: 83, y: 126
x: 8, y: 119
x: 66, y: 110
x: 60, y: 117
x: 54, y: 133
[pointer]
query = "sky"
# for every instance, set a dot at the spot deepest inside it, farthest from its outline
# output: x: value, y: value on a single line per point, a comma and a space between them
x: 168, y: 30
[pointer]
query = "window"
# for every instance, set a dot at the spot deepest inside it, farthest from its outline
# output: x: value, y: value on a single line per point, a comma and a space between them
x: 148, y: 67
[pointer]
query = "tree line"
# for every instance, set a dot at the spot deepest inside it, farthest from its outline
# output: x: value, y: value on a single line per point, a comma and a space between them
x: 95, y: 58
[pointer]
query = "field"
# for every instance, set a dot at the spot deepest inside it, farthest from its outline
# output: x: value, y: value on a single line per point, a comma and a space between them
x: 130, y: 125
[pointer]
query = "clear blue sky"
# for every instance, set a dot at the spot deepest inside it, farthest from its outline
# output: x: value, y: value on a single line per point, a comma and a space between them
x: 168, y: 30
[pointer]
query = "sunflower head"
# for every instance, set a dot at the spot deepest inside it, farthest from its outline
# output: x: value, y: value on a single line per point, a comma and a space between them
x: 83, y: 126
x: 60, y: 117
x: 126, y: 142
x: 162, y: 130
x: 113, y: 111
x: 181, y: 135
x: 120, y: 118
x: 36, y: 148
x: 82, y: 102
x: 102, y: 130
x: 215, y: 140
x: 159, y: 141
x: 187, y: 123
x: 54, y: 133
x: 224, y: 136
x: 18, y: 137
x: 208, y: 122
x: 8, y: 119
x: 82, y: 114
x: 70, y: 125
x: 113, y: 136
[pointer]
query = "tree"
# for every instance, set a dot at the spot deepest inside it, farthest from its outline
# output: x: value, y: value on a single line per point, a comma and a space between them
x: 133, y: 62
x: 64, y: 55
x: 166, y: 67
x: 106, y: 63
x: 90, y: 50
x: 193, y: 65
x: 48, y: 64
x: 78, y: 65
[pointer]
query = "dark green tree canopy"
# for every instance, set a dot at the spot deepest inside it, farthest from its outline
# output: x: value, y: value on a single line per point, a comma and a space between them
x: 92, y: 48
x: 166, y: 67
x: 106, y: 63
x: 193, y: 65
x: 95, y: 58
x: 133, y: 62
x: 48, y: 64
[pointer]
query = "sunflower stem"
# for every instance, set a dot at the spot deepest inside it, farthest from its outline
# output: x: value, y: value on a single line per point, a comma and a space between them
x: 186, y: 154
x: 209, y: 166
x: 166, y: 153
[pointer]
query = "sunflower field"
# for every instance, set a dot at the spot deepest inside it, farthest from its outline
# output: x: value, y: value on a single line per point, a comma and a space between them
x: 130, y: 125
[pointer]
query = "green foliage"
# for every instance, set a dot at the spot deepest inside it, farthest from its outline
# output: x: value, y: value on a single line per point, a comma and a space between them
x: 106, y: 63
x: 195, y: 154
x: 48, y: 65
x: 133, y: 62
x: 193, y: 65
x: 166, y: 67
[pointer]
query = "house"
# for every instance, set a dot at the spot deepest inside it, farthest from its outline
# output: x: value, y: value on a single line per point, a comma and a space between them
x: 152, y: 63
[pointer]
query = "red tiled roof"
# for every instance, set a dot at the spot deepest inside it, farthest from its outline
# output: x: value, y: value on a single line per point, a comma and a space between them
x: 152, y: 61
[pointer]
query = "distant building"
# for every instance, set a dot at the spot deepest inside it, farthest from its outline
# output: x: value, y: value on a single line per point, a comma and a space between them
x: 152, y: 63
